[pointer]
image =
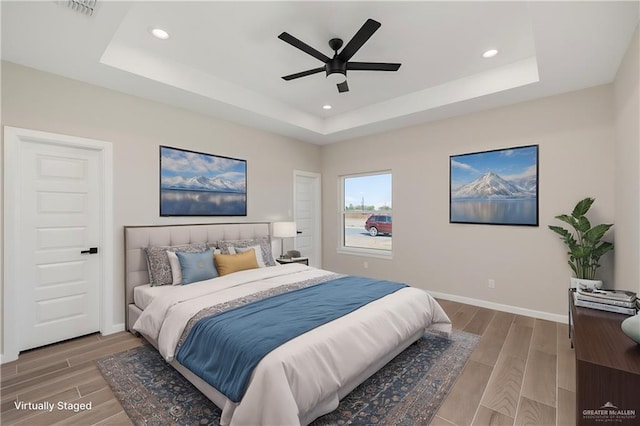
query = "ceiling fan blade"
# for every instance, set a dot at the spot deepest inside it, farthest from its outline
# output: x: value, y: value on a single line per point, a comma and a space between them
x: 343, y: 87
x: 303, y: 73
x: 288, y: 38
x: 372, y: 66
x: 361, y: 37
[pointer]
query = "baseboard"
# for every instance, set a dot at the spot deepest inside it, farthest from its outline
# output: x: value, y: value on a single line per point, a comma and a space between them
x: 500, y: 307
x: 115, y: 328
x: 5, y: 359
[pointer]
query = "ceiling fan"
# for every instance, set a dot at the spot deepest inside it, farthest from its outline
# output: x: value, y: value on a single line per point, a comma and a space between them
x: 336, y: 68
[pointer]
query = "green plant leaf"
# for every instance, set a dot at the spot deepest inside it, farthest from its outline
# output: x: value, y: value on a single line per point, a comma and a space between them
x: 567, y: 236
x: 583, y: 224
x: 575, y: 271
x: 559, y: 230
x: 582, y: 207
x: 581, y: 252
x: 604, y: 247
x: 568, y: 219
x: 593, y: 235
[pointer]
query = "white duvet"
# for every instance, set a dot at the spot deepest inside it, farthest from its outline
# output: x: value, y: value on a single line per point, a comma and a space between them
x: 303, y: 378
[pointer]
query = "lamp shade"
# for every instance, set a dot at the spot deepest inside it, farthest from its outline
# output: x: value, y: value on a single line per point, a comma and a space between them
x: 284, y: 229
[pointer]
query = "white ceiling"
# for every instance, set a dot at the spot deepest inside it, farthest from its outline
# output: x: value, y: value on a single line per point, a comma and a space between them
x: 224, y: 58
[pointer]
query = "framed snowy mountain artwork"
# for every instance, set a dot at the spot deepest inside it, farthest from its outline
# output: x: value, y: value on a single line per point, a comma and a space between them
x: 198, y: 184
x: 498, y: 187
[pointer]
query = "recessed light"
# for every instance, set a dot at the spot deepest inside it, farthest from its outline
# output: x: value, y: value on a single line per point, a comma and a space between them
x: 490, y: 53
x: 160, y: 33
x: 326, y: 107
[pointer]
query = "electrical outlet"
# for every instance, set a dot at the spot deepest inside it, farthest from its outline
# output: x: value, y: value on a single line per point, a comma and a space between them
x: 365, y: 264
x: 492, y: 283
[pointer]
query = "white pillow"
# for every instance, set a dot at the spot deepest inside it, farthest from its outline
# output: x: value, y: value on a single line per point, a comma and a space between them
x: 231, y: 246
x: 176, y: 269
x: 256, y: 249
x: 176, y: 273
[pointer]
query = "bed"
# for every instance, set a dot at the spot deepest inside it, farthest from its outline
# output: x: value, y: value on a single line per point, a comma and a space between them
x: 305, y: 376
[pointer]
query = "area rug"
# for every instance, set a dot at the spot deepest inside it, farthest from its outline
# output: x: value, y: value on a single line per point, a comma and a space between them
x: 408, y: 391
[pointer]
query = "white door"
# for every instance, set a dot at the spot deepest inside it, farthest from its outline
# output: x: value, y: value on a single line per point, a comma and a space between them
x: 307, y: 216
x: 58, y: 280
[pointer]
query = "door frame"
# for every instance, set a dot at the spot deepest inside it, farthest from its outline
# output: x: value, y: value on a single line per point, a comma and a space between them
x: 13, y: 143
x: 318, y: 200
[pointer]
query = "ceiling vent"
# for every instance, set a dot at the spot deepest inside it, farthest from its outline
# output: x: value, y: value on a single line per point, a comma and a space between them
x: 83, y: 6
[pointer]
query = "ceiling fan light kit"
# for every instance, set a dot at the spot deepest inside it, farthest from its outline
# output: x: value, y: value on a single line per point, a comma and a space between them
x: 337, y: 78
x: 336, y: 67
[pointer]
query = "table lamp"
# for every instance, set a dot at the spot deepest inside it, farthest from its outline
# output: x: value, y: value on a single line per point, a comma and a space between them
x: 284, y: 230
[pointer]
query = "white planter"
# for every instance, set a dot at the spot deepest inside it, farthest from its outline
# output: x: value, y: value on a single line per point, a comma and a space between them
x: 581, y: 283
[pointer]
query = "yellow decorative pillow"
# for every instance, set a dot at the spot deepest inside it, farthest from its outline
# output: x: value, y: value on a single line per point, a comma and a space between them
x: 228, y: 263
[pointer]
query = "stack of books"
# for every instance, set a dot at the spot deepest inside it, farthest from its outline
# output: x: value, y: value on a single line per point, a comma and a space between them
x: 620, y: 301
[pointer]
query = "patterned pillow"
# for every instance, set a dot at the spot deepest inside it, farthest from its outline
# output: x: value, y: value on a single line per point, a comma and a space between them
x: 158, y: 262
x: 228, y: 247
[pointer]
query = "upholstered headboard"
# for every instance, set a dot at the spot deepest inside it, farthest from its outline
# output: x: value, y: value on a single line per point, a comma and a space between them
x: 136, y: 238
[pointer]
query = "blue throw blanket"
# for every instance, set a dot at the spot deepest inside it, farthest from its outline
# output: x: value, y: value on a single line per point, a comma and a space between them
x: 223, y: 349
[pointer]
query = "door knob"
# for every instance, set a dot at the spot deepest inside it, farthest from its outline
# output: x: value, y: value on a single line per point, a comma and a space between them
x: 92, y: 250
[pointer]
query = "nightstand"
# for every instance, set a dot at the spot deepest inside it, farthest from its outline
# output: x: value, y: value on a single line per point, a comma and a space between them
x: 607, y: 367
x: 303, y: 260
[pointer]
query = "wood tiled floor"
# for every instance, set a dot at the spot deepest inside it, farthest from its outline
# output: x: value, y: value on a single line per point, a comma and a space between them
x: 521, y: 372
x: 64, y: 372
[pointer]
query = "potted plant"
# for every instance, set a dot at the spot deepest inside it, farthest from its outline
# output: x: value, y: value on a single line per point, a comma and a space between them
x: 585, y: 247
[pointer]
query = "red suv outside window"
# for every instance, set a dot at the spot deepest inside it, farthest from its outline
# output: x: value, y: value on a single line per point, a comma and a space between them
x: 378, y: 224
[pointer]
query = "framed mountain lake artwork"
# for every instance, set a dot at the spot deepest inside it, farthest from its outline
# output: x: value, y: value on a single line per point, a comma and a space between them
x: 498, y: 187
x: 198, y: 184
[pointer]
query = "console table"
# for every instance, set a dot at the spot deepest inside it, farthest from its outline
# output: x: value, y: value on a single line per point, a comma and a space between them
x: 607, y: 368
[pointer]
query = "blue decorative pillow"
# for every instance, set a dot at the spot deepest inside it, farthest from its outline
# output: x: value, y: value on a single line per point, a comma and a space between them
x: 158, y: 264
x: 197, y: 266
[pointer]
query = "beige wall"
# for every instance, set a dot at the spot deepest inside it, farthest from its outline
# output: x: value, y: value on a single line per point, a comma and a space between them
x: 136, y: 127
x: 575, y: 133
x: 627, y: 173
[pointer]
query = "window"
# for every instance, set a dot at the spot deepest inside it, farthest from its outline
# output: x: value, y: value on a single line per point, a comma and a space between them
x: 366, y: 214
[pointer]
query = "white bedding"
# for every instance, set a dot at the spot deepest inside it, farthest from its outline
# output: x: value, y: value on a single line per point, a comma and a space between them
x: 143, y: 295
x: 301, y: 379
